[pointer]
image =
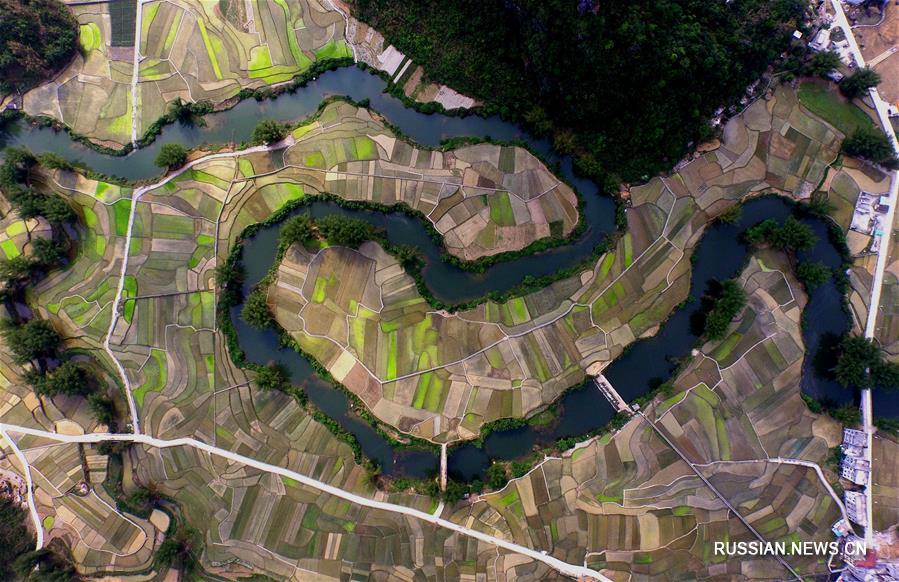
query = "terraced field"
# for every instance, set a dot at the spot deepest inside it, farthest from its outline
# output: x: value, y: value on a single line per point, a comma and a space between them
x: 637, y: 509
x: 623, y: 503
x: 442, y: 376
x: 191, y: 50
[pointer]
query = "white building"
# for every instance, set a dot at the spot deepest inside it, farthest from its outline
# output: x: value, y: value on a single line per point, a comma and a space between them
x: 855, y: 438
x: 857, y: 507
x: 856, y: 470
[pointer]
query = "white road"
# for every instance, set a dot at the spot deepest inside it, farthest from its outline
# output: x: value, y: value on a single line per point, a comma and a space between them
x: 135, y: 73
x: 117, y: 301
x: 563, y: 567
x: 874, y: 304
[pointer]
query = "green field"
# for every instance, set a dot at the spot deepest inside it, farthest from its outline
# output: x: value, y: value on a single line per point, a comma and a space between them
x: 829, y: 106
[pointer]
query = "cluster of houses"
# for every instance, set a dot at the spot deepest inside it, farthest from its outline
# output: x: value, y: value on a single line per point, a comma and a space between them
x: 857, y: 469
x: 869, y: 217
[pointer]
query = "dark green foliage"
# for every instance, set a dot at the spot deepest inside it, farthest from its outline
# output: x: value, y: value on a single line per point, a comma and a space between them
x: 31, y: 340
x: 102, y: 408
x: 873, y: 145
x: 229, y: 276
x: 30, y: 203
x: 813, y: 274
x: 732, y: 215
x: 17, y: 162
x: 616, y: 82
x: 823, y: 63
x: 180, y: 550
x: 729, y: 303
x: 47, y: 252
x: 144, y: 499
x: 340, y: 230
x: 408, y: 256
x: 890, y: 425
x: 819, y: 204
x: 520, y: 468
x: 861, y: 364
x: 49, y: 564
x: 16, y: 269
x: 37, y: 38
x: 273, y: 377
x: 17, y: 540
x: 296, y: 230
x: 269, y: 131
x: 189, y: 114
x: 54, y: 161
x: 792, y: 236
x: 497, y: 476
x: 858, y: 83
x: 69, y: 379
x: 171, y: 156
x: 255, y: 310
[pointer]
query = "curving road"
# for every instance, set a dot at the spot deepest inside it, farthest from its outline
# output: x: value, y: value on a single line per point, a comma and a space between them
x: 562, y: 567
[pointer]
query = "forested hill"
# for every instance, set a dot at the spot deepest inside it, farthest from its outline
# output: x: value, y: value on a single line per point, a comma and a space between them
x: 37, y: 39
x: 628, y: 83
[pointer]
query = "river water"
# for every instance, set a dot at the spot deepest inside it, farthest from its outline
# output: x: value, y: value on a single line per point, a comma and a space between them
x: 720, y: 255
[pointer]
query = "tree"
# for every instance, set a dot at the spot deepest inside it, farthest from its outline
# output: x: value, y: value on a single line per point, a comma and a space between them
x: 255, y: 310
x: 792, y: 236
x: 180, y: 549
x: 340, y: 230
x: 69, y: 379
x: 33, y: 340
x: 17, y: 540
x: 861, y: 364
x: 47, y: 252
x: 824, y: 63
x: 497, y: 476
x: 171, y: 156
x: 229, y: 277
x: 56, y: 210
x: 102, y: 408
x: 17, y: 163
x: 813, y: 274
x: 273, y: 377
x: 858, y: 83
x: 48, y: 564
x: 16, y: 269
x: 296, y: 230
x: 269, y: 131
x: 730, y: 302
x: 564, y: 65
x: 873, y: 145
x: 37, y: 38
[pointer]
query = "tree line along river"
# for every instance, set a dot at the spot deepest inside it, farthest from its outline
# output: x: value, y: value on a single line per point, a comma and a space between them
x: 719, y: 255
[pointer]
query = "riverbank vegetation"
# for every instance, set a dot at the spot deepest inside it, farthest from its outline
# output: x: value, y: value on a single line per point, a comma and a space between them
x: 615, y: 82
x: 862, y: 364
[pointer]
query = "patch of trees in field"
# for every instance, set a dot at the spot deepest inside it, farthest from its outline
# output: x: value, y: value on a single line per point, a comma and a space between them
x: 625, y: 86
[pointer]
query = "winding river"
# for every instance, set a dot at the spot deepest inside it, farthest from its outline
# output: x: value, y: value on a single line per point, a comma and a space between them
x: 582, y: 409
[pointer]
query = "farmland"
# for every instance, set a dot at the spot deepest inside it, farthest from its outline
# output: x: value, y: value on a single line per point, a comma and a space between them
x: 442, y: 376
x: 190, y: 50
x: 623, y: 502
x: 637, y: 509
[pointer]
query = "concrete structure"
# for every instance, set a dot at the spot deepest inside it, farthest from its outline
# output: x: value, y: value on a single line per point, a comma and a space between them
x: 855, y: 469
x: 857, y: 507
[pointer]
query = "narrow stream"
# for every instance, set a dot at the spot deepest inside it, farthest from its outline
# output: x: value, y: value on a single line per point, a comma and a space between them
x: 720, y: 255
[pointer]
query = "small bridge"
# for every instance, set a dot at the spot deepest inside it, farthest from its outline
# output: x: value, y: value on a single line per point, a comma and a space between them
x: 611, y: 394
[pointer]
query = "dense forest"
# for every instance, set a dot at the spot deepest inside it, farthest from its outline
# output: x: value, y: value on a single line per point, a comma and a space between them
x: 625, y: 85
x: 37, y: 39
x: 17, y: 540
